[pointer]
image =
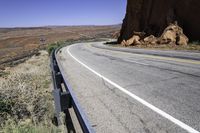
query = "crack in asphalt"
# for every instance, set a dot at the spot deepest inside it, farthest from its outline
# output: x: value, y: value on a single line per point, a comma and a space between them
x: 116, y: 93
x: 115, y: 116
x: 113, y: 90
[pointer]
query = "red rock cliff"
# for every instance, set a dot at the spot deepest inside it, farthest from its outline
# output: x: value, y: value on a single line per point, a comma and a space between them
x: 153, y: 16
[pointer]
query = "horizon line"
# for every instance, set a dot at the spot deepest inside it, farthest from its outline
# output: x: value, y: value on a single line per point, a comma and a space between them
x: 46, y: 26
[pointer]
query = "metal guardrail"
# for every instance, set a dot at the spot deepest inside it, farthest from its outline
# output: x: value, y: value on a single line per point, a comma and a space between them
x: 64, y: 97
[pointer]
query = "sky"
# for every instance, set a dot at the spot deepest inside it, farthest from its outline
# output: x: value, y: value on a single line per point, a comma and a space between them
x: 33, y: 13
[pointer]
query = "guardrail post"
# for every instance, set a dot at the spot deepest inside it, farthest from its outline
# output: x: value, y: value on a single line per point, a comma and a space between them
x: 64, y: 98
x: 65, y: 101
x: 59, y: 80
x: 56, y: 95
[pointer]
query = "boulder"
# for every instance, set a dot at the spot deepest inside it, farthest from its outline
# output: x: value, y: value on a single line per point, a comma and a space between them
x: 123, y: 43
x: 182, y: 40
x: 173, y: 34
x: 134, y: 40
x: 150, y: 40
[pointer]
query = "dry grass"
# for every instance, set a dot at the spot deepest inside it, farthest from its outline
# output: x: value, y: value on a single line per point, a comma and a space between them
x: 25, y: 97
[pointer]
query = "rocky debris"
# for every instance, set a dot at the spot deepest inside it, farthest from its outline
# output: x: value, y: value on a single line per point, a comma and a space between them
x: 150, y: 40
x: 173, y: 34
x: 153, y: 16
x: 182, y: 40
x: 134, y: 40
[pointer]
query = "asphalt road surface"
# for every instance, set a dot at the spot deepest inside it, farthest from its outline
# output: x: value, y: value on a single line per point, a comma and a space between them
x: 124, y: 90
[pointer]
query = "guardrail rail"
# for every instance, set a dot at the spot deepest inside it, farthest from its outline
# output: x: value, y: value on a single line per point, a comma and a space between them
x: 64, y: 97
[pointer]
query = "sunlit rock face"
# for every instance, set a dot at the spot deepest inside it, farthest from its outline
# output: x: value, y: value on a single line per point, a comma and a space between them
x: 153, y: 16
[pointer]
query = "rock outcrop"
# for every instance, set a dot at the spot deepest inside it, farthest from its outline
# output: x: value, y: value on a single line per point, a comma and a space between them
x: 153, y: 16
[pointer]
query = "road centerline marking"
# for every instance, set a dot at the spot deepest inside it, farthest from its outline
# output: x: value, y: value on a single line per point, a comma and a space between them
x: 175, y: 59
x: 142, y: 101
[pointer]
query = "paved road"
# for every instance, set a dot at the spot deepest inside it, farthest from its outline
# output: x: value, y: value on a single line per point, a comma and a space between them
x: 135, y: 91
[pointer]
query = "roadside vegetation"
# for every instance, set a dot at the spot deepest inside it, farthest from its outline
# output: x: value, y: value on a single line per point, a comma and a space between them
x: 56, y: 45
x: 53, y: 46
x: 26, y: 102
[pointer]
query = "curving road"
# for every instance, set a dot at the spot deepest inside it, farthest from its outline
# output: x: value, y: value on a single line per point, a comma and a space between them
x: 135, y: 90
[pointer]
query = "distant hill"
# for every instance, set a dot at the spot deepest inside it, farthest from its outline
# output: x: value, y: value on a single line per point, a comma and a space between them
x: 18, y: 42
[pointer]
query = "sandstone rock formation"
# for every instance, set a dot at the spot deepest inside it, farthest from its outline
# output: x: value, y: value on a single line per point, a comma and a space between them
x: 153, y: 16
x: 150, y: 40
x: 173, y: 34
x: 134, y: 40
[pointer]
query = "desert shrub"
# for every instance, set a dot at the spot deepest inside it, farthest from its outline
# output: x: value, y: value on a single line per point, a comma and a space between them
x: 25, y: 95
x: 26, y: 127
x: 5, y: 105
x: 3, y: 74
x: 53, y: 46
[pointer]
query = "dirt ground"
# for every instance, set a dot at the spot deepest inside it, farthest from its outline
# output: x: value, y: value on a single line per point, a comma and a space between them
x: 18, y: 42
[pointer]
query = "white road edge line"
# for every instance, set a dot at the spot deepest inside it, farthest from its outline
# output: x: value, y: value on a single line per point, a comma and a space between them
x: 152, y: 107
